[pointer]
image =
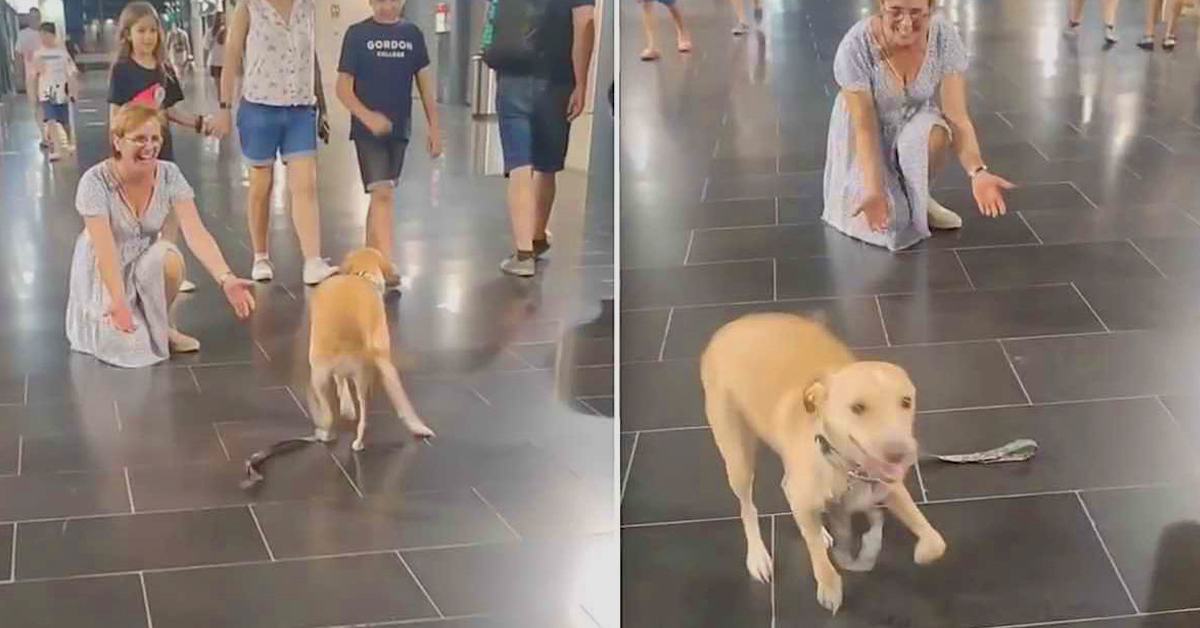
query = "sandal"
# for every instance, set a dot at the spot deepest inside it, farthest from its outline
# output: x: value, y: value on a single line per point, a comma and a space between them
x: 650, y: 54
x: 1169, y: 42
x: 1146, y: 43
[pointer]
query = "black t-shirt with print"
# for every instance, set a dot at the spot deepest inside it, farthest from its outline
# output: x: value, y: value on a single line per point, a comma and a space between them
x: 556, y: 39
x: 130, y: 82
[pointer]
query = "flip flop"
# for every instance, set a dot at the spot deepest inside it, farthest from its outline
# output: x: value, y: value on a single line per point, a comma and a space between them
x: 650, y: 54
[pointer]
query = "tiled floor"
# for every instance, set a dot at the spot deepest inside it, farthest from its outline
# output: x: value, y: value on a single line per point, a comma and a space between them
x: 119, y: 497
x: 1072, y: 321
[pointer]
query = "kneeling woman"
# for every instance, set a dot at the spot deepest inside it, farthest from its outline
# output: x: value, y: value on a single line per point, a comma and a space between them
x: 124, y: 279
x: 888, y: 135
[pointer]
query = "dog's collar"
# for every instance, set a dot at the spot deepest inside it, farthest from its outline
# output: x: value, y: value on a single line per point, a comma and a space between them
x: 375, y: 281
x: 852, y: 469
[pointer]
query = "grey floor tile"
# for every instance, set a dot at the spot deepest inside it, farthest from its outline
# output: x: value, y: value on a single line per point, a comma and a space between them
x: 696, y: 285
x: 667, y: 581
x: 855, y: 321
x: 958, y: 375
x: 1053, y: 549
x: 1153, y: 536
x: 357, y: 589
x: 978, y: 315
x: 1031, y: 265
x: 310, y: 474
x: 1081, y: 445
x: 679, y: 475
x: 118, y: 543
x: 867, y: 272
x: 1107, y: 365
x: 351, y: 525
x: 51, y: 495
x: 78, y: 602
x: 661, y: 394
x: 1144, y: 303
x: 1056, y: 227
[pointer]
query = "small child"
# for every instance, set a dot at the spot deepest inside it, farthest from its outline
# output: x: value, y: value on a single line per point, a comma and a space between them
x: 381, y: 57
x: 55, y: 80
x: 683, y: 39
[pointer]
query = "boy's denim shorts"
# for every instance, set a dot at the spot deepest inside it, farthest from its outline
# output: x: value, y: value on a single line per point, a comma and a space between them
x: 534, y: 130
x: 267, y: 131
x: 58, y: 112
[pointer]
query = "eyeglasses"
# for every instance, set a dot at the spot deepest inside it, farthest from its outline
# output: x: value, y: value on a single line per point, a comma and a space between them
x: 143, y: 140
x: 897, y: 14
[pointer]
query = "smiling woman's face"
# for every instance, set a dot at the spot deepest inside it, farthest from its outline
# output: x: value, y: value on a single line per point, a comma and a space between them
x: 905, y: 21
x: 139, y: 147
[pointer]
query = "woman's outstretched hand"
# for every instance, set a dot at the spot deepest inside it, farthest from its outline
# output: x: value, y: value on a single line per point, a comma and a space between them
x: 121, y: 317
x: 240, y: 294
x: 876, y: 209
x: 989, y: 193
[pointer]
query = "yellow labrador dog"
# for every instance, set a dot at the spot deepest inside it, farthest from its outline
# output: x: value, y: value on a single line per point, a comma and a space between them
x: 843, y: 429
x: 350, y: 345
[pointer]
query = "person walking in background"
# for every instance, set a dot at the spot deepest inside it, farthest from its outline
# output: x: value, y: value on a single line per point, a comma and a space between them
x: 739, y: 10
x: 29, y: 40
x: 216, y: 48
x: 141, y: 74
x: 282, y: 108
x: 382, y: 56
x: 55, y: 80
x: 683, y: 39
x: 1174, y: 9
x: 1075, y: 18
x: 535, y: 107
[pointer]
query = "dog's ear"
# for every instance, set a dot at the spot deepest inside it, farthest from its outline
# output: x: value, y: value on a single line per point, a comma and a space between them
x: 814, y: 396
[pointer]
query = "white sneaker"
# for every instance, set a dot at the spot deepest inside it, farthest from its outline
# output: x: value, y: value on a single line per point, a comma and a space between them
x: 187, y: 286
x: 942, y: 218
x: 262, y: 270
x: 317, y: 270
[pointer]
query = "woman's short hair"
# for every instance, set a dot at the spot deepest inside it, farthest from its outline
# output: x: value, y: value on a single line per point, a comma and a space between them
x: 133, y: 116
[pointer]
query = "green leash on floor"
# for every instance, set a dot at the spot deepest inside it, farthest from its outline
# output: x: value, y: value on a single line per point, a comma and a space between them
x: 254, y: 473
x: 1019, y: 450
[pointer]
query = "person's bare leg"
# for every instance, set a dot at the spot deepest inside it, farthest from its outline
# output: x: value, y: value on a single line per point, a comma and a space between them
x: 740, y: 12
x: 650, y: 53
x: 37, y: 110
x: 545, y: 188
x: 1074, y: 12
x: 173, y: 271
x: 1110, y: 12
x: 522, y: 207
x: 682, y: 36
x: 258, y: 207
x: 1174, y: 10
x: 1153, y: 16
x: 302, y: 184
x: 379, y: 219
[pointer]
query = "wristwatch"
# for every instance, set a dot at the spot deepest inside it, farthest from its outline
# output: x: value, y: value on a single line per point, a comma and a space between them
x: 977, y: 170
x: 223, y: 105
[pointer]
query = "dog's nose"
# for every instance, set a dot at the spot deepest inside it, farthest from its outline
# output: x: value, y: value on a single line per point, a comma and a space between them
x: 896, y: 453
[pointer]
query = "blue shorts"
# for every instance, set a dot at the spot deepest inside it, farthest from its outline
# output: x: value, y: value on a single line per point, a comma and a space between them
x: 266, y: 131
x: 56, y: 112
x: 665, y: 3
x: 533, y: 122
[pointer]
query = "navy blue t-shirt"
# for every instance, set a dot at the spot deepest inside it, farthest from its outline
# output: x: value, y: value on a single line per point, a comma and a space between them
x: 384, y: 60
x: 557, y: 39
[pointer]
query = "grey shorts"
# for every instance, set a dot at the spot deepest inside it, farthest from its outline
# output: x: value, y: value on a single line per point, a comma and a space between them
x: 380, y: 160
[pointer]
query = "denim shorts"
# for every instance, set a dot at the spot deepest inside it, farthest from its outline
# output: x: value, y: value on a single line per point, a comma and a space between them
x: 380, y: 160
x: 266, y: 132
x: 533, y: 122
x: 58, y: 112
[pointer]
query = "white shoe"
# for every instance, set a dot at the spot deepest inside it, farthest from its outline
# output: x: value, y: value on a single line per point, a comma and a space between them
x: 317, y: 270
x: 262, y: 270
x: 942, y: 218
x: 180, y: 342
x: 187, y: 286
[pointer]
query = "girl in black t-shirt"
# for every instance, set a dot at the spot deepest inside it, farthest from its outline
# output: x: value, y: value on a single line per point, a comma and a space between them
x: 141, y: 74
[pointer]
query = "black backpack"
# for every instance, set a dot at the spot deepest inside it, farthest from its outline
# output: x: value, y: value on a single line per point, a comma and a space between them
x: 510, y: 38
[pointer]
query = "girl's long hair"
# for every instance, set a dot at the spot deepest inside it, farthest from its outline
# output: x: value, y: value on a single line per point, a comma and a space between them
x: 133, y: 13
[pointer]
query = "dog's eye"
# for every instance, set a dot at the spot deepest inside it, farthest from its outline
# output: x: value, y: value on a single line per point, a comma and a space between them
x: 858, y: 407
x: 906, y: 403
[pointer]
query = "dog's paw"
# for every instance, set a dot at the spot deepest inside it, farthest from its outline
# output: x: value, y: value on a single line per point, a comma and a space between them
x: 758, y: 563
x: 930, y: 547
x: 829, y: 592
x: 418, y: 428
x: 325, y: 436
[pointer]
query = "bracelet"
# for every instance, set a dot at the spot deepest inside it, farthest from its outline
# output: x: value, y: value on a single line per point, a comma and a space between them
x: 199, y: 123
x: 225, y: 276
x: 223, y: 105
x: 976, y: 171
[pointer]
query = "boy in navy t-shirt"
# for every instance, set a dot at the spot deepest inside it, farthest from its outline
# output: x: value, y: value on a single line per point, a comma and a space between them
x: 381, y: 57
